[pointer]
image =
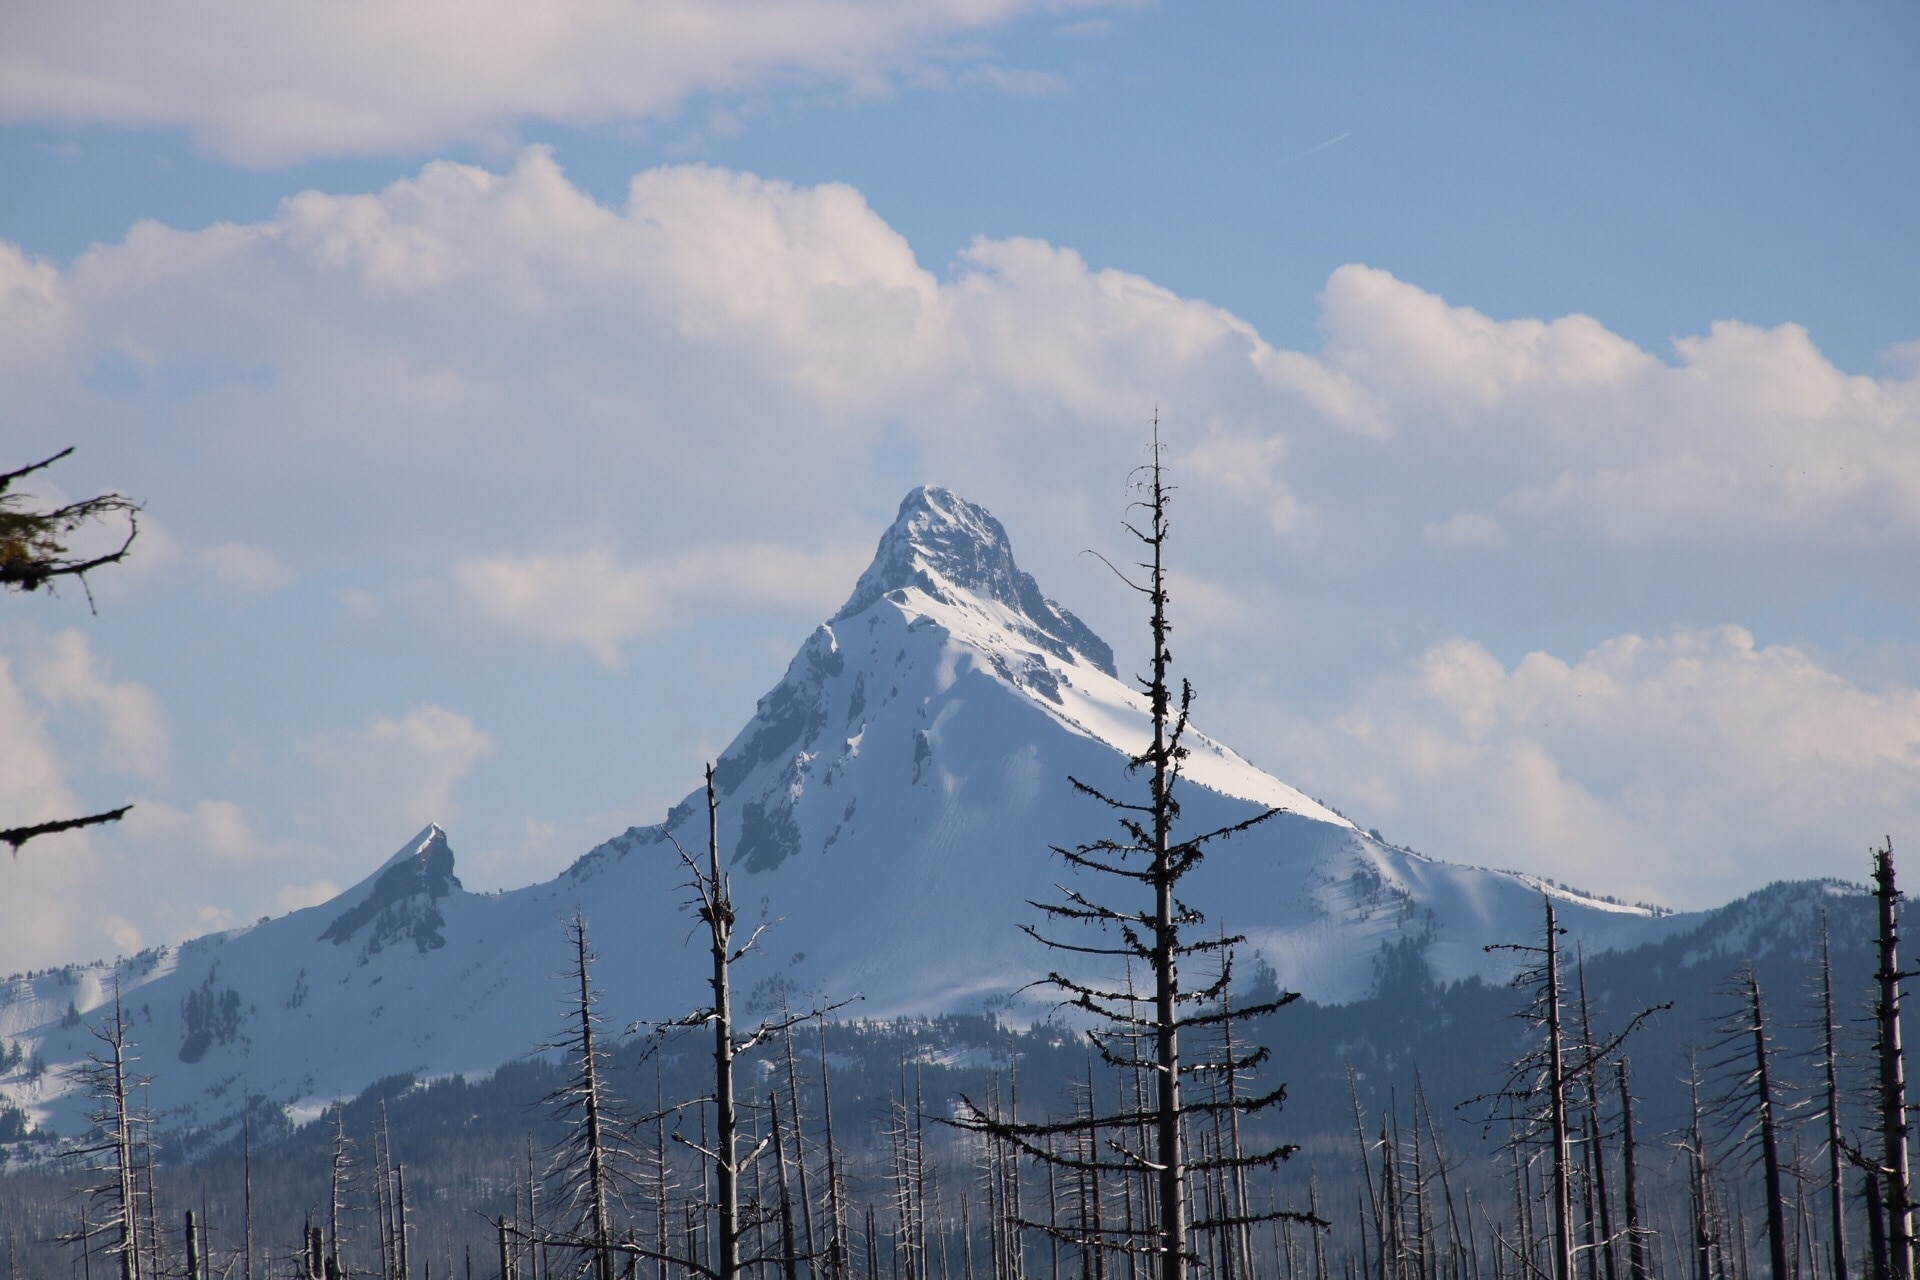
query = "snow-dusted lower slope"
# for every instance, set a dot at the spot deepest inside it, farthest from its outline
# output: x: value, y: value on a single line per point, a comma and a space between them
x: 891, y: 805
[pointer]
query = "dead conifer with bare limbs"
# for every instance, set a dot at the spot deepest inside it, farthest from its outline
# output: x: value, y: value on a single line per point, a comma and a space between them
x: 591, y: 1164
x: 114, y: 1151
x: 1536, y: 1102
x: 730, y: 1220
x: 1170, y: 1026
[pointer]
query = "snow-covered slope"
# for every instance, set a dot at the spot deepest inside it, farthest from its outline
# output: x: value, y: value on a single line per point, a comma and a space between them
x: 891, y: 804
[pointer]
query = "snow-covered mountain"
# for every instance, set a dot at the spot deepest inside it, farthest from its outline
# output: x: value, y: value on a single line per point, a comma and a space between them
x: 891, y: 805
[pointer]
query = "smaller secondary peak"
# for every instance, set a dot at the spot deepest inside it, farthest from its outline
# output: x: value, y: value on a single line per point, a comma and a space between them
x: 423, y: 865
x: 941, y: 543
x: 431, y: 838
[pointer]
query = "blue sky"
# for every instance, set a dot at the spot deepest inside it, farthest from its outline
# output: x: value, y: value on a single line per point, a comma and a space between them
x: 1542, y: 380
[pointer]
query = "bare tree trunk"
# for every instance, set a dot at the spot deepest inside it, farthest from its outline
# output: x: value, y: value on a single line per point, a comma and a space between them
x: 336, y: 1189
x: 1366, y: 1180
x: 924, y: 1185
x: 593, y: 1119
x: 752, y: 1247
x: 1319, y: 1236
x: 1898, y: 1200
x: 837, y: 1261
x: 1016, y: 1198
x: 1596, y: 1151
x: 156, y: 1239
x: 1169, y: 1155
x: 1769, y: 1137
x: 388, y: 1208
x: 1697, y: 1168
x: 966, y: 1239
x: 1836, y: 1154
x: 1636, y: 1240
x: 128, y: 1207
x: 808, y: 1238
x: 533, y: 1217
x: 246, y: 1148
x: 1877, y: 1226
x: 400, y: 1195
x: 717, y: 912
x: 789, y: 1251
x: 383, y: 1195
x: 661, y: 1172
x: 1456, y: 1246
x: 1422, y: 1217
x: 1094, y: 1215
x: 1053, y: 1222
x: 997, y: 1214
x: 1393, y: 1245
x: 1523, y: 1192
x: 1557, y: 1103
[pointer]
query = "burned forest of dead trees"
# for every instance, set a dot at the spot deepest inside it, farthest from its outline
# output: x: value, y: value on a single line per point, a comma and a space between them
x: 1740, y: 1134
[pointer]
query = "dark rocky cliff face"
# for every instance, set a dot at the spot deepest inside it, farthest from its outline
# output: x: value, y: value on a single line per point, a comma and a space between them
x: 427, y: 873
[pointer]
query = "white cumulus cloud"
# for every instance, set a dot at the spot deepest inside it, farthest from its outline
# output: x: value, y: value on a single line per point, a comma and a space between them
x: 723, y: 348
x: 134, y: 735
x: 209, y: 833
x: 594, y: 601
x: 579, y: 425
x: 399, y: 772
x: 266, y: 84
x: 107, y: 888
x: 1687, y: 766
x: 33, y: 781
x: 50, y: 905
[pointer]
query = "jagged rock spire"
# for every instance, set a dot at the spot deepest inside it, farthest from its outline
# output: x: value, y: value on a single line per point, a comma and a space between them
x: 939, y: 544
x: 423, y: 866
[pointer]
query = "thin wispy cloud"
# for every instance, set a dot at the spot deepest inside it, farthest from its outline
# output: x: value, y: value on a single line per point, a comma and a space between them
x: 1319, y: 147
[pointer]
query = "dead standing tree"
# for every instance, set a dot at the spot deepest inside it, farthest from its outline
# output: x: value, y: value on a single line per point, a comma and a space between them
x: 1536, y: 1099
x: 713, y: 904
x: 1836, y: 1142
x: 340, y: 1179
x: 589, y: 1162
x: 1749, y: 1103
x: 1139, y: 1029
x: 108, y: 1078
x: 1897, y: 1194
